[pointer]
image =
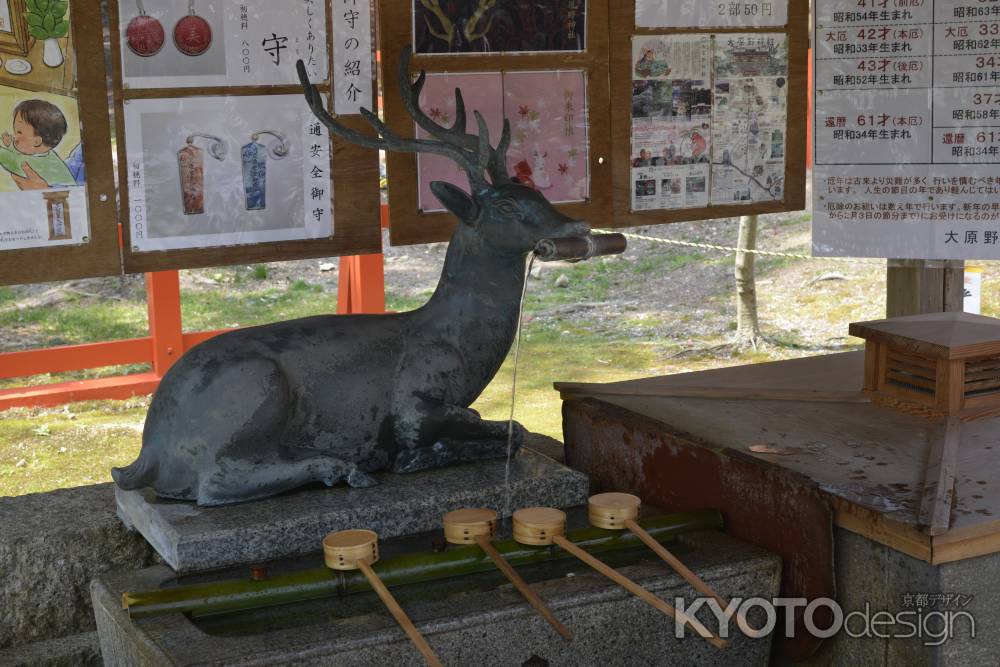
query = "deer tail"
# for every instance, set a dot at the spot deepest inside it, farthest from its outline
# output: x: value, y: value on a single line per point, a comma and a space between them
x: 139, y: 474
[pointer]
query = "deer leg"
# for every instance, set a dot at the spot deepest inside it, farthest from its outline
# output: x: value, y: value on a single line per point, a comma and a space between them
x: 241, y: 483
x: 452, y: 434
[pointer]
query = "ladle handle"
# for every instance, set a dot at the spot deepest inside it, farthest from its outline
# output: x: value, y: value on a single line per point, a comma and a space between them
x: 400, y: 615
x: 682, y: 569
x: 639, y: 591
x: 522, y: 586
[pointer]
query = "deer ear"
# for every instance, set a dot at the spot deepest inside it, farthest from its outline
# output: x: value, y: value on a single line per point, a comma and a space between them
x: 456, y: 200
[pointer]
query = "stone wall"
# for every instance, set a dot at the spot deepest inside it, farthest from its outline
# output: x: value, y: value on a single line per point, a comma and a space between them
x: 51, y: 546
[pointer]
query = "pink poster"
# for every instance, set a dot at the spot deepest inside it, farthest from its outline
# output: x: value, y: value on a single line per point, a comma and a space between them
x: 548, y: 117
x: 482, y: 93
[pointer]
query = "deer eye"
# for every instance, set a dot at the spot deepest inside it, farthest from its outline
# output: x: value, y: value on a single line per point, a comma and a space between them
x: 506, y: 207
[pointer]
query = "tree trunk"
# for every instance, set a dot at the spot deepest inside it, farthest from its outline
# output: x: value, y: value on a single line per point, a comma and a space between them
x: 747, y: 321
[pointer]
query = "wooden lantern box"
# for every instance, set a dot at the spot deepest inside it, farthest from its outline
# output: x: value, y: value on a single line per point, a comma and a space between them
x: 946, y: 363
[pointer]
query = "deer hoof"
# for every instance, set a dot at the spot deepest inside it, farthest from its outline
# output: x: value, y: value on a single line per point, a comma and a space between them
x: 360, y: 480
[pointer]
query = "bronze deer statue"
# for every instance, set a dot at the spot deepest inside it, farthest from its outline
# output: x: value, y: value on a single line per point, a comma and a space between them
x: 263, y: 410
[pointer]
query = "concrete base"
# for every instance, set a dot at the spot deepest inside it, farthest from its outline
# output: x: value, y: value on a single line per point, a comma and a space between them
x: 883, y: 579
x: 191, y: 538
x: 470, y: 620
x: 51, y: 546
x: 81, y: 650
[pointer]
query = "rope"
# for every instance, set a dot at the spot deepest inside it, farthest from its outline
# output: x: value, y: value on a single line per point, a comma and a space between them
x: 766, y: 253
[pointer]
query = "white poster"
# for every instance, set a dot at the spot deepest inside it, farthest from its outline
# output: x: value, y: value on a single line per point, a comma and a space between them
x: 221, y: 171
x: 202, y: 43
x: 44, y: 218
x: 5, y: 17
x: 907, y: 131
x: 671, y: 121
x: 749, y: 118
x: 352, y: 56
x: 710, y: 13
x: 43, y: 180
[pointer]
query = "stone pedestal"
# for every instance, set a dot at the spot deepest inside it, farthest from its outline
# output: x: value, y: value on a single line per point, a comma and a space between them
x: 191, y: 538
x: 473, y: 620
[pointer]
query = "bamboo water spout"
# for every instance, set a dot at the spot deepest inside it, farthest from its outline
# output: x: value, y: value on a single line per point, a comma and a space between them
x: 478, y: 526
x: 546, y: 525
x: 230, y: 596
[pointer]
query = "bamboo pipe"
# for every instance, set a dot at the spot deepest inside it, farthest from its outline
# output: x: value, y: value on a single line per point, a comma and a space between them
x: 617, y: 511
x: 228, y: 596
x: 546, y: 525
x: 478, y: 526
x: 356, y: 550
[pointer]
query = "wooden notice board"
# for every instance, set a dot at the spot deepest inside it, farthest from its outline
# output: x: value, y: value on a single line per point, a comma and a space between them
x: 397, y: 27
x: 260, y: 109
x: 70, y: 224
x: 623, y: 28
x: 731, y: 183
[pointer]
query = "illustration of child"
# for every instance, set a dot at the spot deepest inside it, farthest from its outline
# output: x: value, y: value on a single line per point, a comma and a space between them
x: 39, y: 126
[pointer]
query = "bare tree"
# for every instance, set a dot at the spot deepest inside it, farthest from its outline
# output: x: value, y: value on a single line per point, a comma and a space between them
x: 747, y: 320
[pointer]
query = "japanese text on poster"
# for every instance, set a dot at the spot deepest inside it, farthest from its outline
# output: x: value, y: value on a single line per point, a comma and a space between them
x: 352, y: 56
x: 42, y: 180
x: 194, y: 163
x: 197, y: 43
x: 709, y: 116
x: 907, y: 129
x: 710, y: 13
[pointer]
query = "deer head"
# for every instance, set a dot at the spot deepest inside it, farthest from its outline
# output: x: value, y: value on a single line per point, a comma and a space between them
x: 505, y: 216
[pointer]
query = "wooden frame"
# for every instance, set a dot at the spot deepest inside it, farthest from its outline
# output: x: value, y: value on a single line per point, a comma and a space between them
x: 622, y: 28
x: 99, y: 256
x: 354, y: 177
x: 409, y: 224
x: 18, y: 41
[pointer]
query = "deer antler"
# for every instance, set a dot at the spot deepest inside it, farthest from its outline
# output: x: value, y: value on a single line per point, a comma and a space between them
x: 470, y: 27
x: 472, y: 153
x: 447, y: 32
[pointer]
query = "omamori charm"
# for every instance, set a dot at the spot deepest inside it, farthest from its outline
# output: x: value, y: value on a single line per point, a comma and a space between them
x: 192, y: 34
x: 144, y: 35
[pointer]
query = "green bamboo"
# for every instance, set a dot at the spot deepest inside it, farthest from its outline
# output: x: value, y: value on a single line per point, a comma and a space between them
x: 239, y: 595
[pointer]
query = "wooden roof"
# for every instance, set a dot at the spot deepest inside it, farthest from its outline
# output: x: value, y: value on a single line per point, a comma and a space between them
x: 939, y: 335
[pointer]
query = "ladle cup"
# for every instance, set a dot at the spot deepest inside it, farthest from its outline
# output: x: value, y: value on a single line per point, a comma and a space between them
x: 357, y: 550
x: 478, y: 526
x: 540, y: 526
x: 620, y: 511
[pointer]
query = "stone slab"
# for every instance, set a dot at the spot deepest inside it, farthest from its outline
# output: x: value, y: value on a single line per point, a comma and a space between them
x: 51, y: 546
x: 82, y: 650
x: 474, y: 620
x: 191, y: 538
x: 873, y: 578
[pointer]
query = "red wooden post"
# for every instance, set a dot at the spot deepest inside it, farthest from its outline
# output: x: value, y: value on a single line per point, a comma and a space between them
x: 163, y: 301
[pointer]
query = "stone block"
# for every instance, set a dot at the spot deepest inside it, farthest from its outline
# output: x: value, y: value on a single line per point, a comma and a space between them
x: 191, y: 538
x: 473, y: 620
x: 51, y: 546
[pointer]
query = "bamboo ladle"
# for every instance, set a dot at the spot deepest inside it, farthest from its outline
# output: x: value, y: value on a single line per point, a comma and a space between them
x: 357, y: 550
x: 477, y: 526
x: 545, y: 525
x: 619, y: 511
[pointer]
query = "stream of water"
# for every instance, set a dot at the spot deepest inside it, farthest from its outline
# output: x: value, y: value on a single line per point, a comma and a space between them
x: 513, y: 390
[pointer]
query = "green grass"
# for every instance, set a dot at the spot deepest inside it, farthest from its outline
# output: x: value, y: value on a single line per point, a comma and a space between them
x: 78, y: 322
x: 41, y: 450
